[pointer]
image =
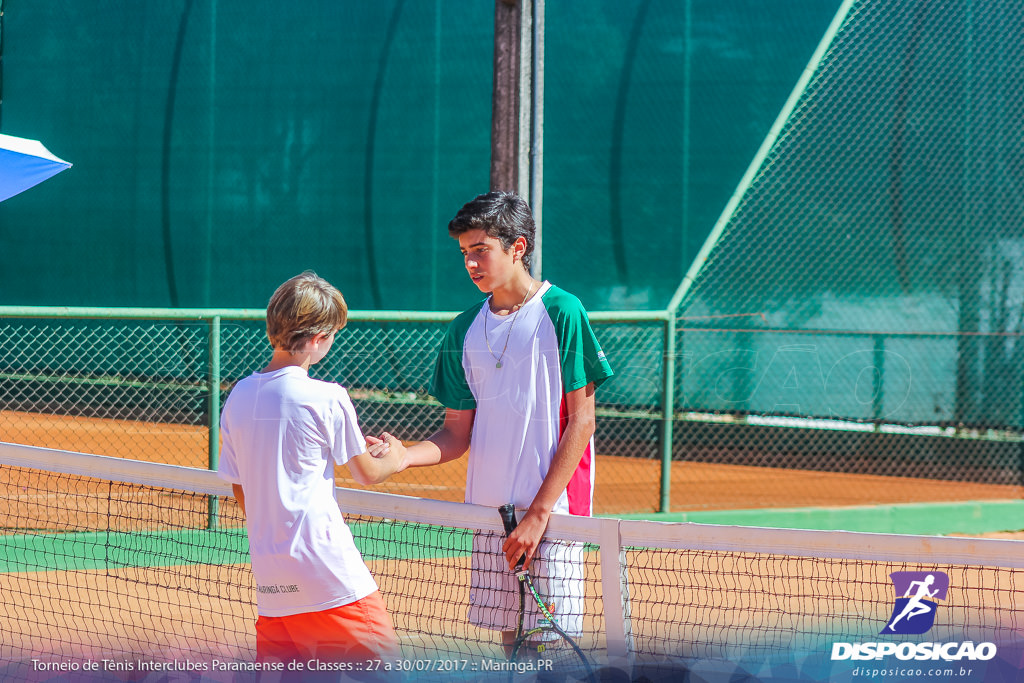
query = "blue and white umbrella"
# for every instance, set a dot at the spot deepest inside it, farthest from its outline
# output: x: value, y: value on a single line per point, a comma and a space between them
x: 24, y: 163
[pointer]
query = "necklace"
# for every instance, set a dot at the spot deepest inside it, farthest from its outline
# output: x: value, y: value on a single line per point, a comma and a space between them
x: 508, y: 335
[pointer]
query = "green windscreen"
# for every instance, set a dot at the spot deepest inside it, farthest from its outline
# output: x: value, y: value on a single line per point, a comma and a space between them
x: 221, y: 146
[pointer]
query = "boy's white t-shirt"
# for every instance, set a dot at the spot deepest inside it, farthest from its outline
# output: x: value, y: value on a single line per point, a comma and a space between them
x: 546, y: 350
x: 282, y: 433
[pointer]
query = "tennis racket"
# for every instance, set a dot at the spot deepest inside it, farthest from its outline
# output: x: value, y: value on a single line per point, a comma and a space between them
x: 553, y: 644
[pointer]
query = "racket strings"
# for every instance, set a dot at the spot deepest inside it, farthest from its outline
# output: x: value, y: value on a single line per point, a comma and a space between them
x: 547, y: 644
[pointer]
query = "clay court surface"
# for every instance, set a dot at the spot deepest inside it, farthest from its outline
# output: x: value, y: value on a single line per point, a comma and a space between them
x: 624, y: 485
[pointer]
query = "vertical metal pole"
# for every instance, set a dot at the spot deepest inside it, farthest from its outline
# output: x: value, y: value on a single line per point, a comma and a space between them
x: 536, y: 123
x: 505, y: 97
x: 668, y: 400
x: 517, y: 109
x: 213, y: 407
x: 524, y: 104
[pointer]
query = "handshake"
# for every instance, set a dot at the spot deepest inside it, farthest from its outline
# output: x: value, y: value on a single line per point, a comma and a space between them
x: 380, y: 446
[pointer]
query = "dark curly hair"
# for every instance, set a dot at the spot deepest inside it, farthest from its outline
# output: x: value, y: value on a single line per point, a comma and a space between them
x: 503, y: 215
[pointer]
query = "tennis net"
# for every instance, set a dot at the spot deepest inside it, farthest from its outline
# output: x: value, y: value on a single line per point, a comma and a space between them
x: 140, y: 567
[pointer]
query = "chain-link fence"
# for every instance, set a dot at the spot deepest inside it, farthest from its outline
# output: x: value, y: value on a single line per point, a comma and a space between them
x: 149, y: 384
x: 859, y: 306
x: 756, y: 409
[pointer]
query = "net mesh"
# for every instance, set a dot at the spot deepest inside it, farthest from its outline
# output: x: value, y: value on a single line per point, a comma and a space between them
x: 103, y: 569
x: 125, y: 564
x: 710, y: 604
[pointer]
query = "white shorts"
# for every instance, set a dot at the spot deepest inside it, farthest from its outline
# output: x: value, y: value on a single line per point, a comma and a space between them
x: 557, y: 573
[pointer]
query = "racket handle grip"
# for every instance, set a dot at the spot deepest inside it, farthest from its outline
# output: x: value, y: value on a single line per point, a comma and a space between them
x: 508, y: 517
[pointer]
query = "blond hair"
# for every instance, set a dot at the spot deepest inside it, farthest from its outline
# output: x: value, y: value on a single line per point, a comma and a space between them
x: 303, y: 307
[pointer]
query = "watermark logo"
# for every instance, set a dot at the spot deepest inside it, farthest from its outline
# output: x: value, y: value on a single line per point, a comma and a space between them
x: 917, y: 596
x: 916, y: 603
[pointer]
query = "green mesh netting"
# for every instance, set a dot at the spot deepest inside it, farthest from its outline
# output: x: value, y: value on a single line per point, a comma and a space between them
x: 871, y: 270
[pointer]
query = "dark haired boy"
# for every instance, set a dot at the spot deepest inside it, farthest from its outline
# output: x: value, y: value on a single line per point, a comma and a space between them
x: 517, y: 374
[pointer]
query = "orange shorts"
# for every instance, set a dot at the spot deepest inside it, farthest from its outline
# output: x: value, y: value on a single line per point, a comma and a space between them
x: 358, y: 631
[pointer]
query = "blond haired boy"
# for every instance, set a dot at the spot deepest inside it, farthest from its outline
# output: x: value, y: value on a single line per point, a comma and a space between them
x: 283, y: 432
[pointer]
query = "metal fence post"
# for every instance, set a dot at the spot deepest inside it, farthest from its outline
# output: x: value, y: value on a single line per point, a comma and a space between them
x: 213, y: 407
x: 668, y: 399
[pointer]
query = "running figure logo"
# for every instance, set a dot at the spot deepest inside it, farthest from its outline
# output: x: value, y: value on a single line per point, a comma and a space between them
x: 916, y: 595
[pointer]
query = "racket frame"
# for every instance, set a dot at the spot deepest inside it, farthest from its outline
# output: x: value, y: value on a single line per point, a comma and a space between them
x: 525, y: 581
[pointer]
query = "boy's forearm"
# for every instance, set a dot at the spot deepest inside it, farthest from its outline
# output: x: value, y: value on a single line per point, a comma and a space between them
x: 440, y: 447
x: 579, y: 430
x: 368, y: 470
x: 564, y: 463
x: 525, y: 540
x: 446, y: 444
x: 422, y: 454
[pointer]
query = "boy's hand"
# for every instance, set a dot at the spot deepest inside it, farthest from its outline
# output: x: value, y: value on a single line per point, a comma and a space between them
x: 398, y: 448
x: 525, y: 540
x: 378, y: 448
